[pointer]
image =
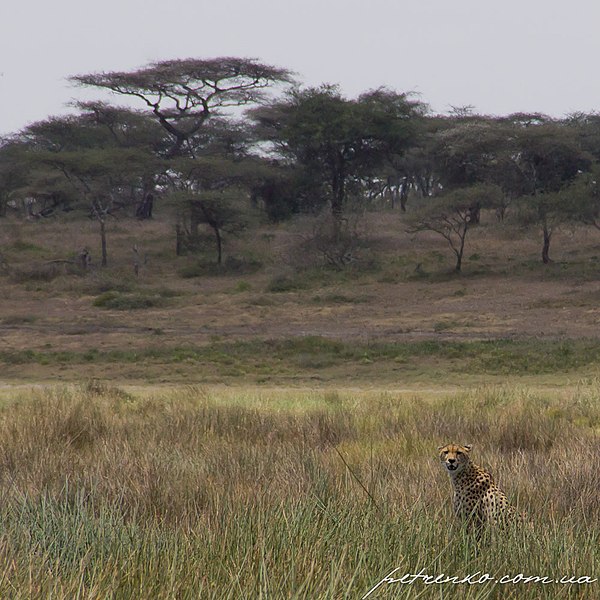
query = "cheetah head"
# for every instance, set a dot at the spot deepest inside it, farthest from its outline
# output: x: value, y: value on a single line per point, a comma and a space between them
x: 454, y: 457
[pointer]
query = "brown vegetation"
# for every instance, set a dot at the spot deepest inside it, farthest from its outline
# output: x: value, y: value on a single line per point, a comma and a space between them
x: 395, y: 291
x: 242, y: 494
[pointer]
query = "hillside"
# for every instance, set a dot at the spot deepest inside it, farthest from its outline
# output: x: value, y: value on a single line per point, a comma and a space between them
x: 397, y: 313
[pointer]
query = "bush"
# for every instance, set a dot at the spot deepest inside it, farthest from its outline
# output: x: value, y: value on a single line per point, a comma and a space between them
x: 284, y: 283
x: 118, y: 301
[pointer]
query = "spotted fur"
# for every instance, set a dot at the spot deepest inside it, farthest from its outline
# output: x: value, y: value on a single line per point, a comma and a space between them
x: 477, y: 498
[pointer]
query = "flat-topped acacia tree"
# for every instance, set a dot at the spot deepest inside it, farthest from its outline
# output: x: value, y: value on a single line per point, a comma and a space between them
x: 182, y: 94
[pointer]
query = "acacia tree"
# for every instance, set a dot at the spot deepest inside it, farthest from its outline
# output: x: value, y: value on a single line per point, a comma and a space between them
x: 223, y: 211
x: 98, y: 175
x: 548, y: 157
x: 14, y: 173
x: 452, y: 215
x: 129, y: 129
x: 183, y: 94
x: 548, y: 211
x: 335, y: 140
x: 477, y: 150
x: 584, y: 193
x: 82, y: 155
x: 531, y: 157
x: 580, y: 201
x: 214, y: 190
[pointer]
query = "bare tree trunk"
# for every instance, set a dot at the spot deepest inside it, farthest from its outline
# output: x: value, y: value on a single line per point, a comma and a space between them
x: 462, y: 233
x: 475, y: 213
x: 337, y: 200
x: 136, y: 260
x: 178, y: 240
x: 546, y: 247
x: 338, y: 194
x: 219, y: 244
x: 458, y: 266
x: 103, y: 241
x: 144, y: 209
x: 404, y: 194
x: 459, y: 253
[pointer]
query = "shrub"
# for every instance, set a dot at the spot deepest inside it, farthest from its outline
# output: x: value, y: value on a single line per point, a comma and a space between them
x: 285, y: 283
x: 118, y: 301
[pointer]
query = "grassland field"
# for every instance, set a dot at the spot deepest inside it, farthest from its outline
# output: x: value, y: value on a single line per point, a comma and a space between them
x: 269, y: 429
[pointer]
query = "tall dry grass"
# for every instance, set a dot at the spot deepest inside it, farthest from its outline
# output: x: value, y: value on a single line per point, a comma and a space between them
x: 240, y: 494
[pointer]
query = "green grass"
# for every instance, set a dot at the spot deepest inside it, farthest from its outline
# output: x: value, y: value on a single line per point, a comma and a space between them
x: 19, y: 320
x: 23, y: 246
x: 338, y: 298
x: 286, y: 283
x: 299, y: 356
x: 243, y: 494
x: 133, y: 301
x: 231, y: 266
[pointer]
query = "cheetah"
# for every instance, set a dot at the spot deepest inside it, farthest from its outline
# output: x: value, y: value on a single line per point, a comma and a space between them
x: 477, y: 499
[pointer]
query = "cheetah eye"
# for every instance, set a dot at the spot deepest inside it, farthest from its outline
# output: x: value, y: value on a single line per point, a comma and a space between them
x: 458, y: 453
x: 445, y: 452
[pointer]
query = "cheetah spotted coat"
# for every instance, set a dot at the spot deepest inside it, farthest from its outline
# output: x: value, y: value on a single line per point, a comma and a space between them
x: 476, y: 496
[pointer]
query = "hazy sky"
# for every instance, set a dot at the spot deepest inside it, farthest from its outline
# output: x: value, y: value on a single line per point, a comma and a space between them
x: 500, y: 56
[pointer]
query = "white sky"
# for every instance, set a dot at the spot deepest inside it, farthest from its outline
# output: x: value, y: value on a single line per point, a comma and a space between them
x: 501, y: 56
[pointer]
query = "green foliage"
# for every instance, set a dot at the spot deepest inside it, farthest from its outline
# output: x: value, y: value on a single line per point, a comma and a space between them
x: 184, y: 94
x: 213, y: 191
x: 337, y: 298
x: 309, y: 149
x: 242, y: 286
x: 23, y: 246
x: 119, y: 301
x: 337, y: 141
x: 452, y: 214
x: 581, y: 200
x: 19, y: 320
x: 285, y: 283
x: 549, y: 209
x: 550, y: 157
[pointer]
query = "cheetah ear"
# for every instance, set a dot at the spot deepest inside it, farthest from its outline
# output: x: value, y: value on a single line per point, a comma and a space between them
x: 468, y: 447
x: 440, y: 448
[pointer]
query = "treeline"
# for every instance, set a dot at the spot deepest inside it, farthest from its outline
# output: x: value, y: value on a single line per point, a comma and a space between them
x: 215, y: 137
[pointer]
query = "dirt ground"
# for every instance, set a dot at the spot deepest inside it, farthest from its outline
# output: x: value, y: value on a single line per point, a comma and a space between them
x: 509, y: 301
x: 393, y: 312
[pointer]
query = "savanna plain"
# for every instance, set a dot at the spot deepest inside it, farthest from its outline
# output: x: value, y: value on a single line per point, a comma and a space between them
x: 268, y: 429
